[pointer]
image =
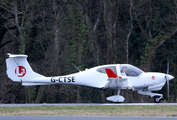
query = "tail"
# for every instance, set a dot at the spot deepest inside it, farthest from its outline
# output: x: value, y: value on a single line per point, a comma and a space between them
x: 19, y: 70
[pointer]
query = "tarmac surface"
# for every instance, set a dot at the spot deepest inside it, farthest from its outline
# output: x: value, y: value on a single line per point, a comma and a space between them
x: 83, y: 104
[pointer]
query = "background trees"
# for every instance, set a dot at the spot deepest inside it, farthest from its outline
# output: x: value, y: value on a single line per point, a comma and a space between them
x: 56, y: 34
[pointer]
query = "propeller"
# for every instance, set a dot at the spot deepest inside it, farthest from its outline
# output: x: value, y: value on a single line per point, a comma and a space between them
x: 168, y: 78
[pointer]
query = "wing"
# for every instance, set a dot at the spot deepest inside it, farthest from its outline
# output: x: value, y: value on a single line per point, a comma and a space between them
x: 114, y: 81
x: 111, y: 74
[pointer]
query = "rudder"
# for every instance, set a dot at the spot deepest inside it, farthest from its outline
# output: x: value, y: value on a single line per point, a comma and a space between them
x: 18, y: 68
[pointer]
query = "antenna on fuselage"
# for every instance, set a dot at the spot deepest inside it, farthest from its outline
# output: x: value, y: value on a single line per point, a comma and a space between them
x: 76, y: 67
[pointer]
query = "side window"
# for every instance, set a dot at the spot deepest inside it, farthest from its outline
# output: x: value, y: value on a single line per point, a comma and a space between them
x: 128, y: 70
x: 102, y: 69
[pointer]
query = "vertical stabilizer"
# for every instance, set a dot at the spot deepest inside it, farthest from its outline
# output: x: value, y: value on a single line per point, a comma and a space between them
x: 18, y: 68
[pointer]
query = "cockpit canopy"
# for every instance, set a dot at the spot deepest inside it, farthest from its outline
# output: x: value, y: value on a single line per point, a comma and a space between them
x: 122, y: 70
x: 130, y: 70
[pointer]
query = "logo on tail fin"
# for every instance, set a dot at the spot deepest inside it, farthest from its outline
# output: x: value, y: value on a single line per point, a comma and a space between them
x: 20, y: 71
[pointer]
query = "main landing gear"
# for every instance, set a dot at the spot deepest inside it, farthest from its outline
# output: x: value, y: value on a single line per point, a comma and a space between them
x: 116, y: 98
x: 157, y: 97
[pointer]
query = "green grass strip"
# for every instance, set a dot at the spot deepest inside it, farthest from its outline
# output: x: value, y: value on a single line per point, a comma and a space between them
x: 92, y: 110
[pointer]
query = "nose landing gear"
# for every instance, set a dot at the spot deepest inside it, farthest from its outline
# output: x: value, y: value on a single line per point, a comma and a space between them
x: 157, y: 99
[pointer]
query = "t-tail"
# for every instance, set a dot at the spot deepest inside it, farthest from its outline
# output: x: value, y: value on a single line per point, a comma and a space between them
x: 19, y: 70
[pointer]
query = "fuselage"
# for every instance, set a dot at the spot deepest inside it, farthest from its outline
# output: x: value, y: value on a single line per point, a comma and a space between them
x: 96, y: 77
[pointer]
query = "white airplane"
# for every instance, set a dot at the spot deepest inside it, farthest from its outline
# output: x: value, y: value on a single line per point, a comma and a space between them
x: 112, y: 76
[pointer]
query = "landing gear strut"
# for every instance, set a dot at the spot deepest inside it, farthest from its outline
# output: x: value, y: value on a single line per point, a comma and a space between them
x: 116, y: 98
x: 157, y: 97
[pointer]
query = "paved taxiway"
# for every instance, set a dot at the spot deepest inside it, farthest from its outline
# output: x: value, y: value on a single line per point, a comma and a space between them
x: 83, y: 104
x: 83, y: 118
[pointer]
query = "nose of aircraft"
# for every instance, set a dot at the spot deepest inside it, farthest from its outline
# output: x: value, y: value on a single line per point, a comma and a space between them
x: 169, y: 77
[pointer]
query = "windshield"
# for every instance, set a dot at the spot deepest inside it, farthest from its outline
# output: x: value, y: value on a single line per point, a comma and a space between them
x: 129, y: 70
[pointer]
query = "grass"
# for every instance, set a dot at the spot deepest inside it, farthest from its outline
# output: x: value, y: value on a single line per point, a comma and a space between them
x: 92, y: 110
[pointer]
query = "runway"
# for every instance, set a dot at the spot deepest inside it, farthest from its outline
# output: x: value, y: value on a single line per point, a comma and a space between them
x: 84, y: 104
x: 83, y: 118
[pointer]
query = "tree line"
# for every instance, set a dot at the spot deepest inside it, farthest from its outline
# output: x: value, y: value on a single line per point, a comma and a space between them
x: 55, y: 34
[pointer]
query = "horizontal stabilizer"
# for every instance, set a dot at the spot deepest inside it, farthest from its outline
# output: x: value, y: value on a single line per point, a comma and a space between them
x: 33, y: 84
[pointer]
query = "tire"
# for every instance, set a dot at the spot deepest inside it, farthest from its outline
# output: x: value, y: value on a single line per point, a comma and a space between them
x: 156, y: 99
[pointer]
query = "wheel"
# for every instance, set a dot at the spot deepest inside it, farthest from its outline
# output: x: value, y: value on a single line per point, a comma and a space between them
x: 156, y: 99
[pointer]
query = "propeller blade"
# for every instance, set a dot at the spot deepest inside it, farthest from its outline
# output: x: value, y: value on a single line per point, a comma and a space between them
x: 168, y: 87
x: 167, y: 78
x: 167, y: 66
